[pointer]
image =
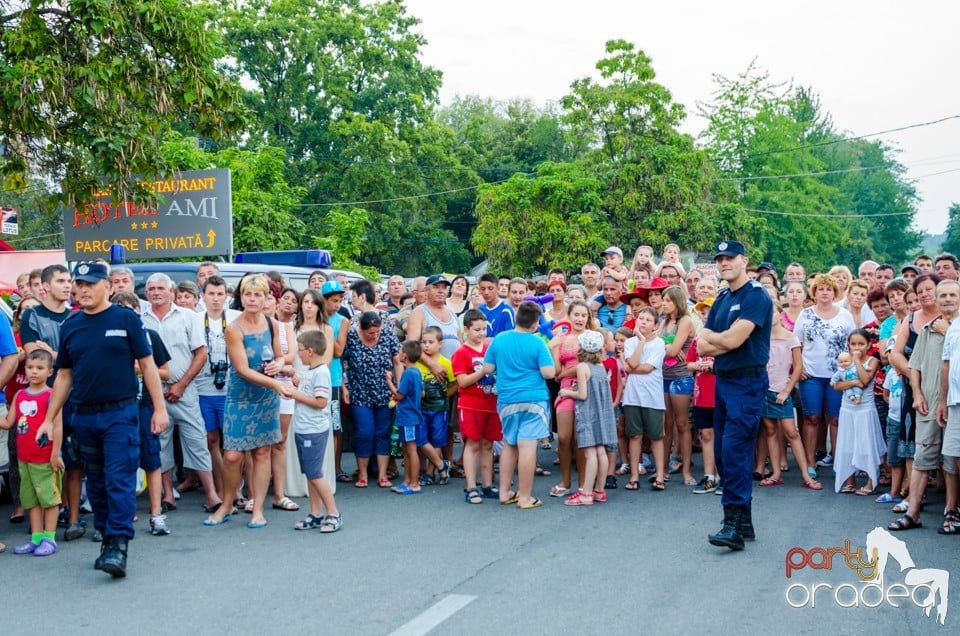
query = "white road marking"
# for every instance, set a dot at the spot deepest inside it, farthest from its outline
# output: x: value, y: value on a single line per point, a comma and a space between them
x: 434, y: 615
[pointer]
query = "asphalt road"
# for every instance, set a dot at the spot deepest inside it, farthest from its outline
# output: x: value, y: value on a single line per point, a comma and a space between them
x: 639, y: 563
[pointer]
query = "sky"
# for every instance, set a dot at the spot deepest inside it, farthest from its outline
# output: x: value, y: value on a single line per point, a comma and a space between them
x: 876, y: 65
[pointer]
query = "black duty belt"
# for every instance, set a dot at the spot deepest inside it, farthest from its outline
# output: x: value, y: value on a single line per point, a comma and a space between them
x: 745, y: 372
x: 103, y: 407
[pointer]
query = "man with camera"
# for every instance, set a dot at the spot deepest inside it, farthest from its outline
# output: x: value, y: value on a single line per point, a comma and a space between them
x: 182, y: 332
x: 212, y: 378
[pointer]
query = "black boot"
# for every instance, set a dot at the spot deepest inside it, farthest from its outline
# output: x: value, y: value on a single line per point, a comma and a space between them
x: 105, y: 544
x: 115, y: 560
x: 728, y: 537
x: 745, y: 527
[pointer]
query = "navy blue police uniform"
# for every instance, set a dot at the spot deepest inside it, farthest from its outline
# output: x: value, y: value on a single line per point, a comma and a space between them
x: 100, y: 349
x: 741, y: 385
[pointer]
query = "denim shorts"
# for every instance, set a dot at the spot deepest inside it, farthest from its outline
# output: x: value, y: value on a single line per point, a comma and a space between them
x: 774, y: 411
x: 818, y: 397
x: 680, y: 386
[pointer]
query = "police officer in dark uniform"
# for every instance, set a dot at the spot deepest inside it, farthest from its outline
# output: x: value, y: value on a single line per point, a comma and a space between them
x: 98, y: 346
x: 737, y: 333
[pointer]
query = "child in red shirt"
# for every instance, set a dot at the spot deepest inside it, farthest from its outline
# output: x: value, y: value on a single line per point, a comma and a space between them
x: 41, y: 468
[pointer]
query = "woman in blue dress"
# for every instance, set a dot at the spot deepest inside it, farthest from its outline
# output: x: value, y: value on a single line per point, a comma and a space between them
x: 251, y: 420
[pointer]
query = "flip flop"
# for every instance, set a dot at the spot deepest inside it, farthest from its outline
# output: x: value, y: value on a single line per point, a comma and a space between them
x: 813, y: 485
x: 514, y: 498
x: 213, y: 508
x: 535, y: 504
x: 863, y: 492
x: 360, y: 483
x: 768, y: 482
x: 848, y: 490
x: 344, y: 478
x: 256, y: 525
x: 210, y: 523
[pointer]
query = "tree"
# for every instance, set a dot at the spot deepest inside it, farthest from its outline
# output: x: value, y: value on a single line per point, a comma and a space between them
x: 263, y: 203
x: 89, y: 87
x: 657, y: 186
x: 340, y: 85
x: 818, y: 198
x: 951, y: 243
x: 39, y: 216
x: 530, y: 224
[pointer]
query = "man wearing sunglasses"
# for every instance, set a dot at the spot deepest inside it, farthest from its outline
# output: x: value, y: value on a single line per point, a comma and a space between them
x: 613, y: 313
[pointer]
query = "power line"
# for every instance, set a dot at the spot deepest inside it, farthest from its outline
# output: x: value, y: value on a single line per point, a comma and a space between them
x: 826, y: 216
x: 844, y: 139
x: 407, y: 198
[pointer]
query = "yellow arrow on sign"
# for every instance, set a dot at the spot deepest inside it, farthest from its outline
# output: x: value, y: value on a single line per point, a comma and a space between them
x: 211, y: 238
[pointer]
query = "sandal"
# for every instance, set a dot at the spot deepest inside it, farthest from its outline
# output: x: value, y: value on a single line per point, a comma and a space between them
x: 344, y: 478
x: 951, y: 523
x: 767, y: 482
x: 443, y: 478
x: 599, y: 496
x: 383, y: 482
x: 632, y: 485
x: 248, y: 508
x: 457, y: 471
x: 539, y: 471
x: 545, y: 444
x: 360, y: 483
x: 902, y: 507
x: 310, y: 523
x: 887, y: 498
x: 658, y: 486
x: 813, y: 485
x: 906, y: 522
x: 512, y: 499
x: 426, y: 479
x: 865, y: 492
x: 848, y: 489
x: 286, y: 504
x: 623, y: 469
x: 559, y: 491
x: 610, y: 482
x: 490, y: 492
x: 473, y: 496
x: 331, y: 523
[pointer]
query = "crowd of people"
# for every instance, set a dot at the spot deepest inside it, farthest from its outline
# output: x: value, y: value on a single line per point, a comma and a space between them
x: 252, y: 395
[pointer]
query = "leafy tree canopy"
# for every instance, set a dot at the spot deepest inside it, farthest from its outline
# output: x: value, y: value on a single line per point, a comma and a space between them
x: 89, y: 87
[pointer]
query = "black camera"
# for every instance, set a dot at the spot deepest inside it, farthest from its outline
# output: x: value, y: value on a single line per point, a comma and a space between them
x: 219, y: 371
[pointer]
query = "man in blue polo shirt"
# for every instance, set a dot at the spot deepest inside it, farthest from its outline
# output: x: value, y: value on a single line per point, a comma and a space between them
x: 737, y: 333
x: 98, y: 347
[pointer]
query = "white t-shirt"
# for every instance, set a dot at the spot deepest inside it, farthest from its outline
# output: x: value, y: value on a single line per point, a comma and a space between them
x: 216, y: 351
x: 645, y: 389
x: 892, y: 383
x: 822, y: 340
x: 306, y: 419
x: 951, y: 351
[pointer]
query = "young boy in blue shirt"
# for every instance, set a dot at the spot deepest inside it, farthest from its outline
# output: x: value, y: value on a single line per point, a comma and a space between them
x: 413, y: 429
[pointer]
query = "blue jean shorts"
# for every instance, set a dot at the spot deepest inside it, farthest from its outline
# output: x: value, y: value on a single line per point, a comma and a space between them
x: 818, y: 397
x: 680, y: 386
x: 774, y: 411
x: 894, y: 458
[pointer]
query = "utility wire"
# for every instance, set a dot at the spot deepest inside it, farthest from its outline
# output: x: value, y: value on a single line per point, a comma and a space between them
x: 844, y: 139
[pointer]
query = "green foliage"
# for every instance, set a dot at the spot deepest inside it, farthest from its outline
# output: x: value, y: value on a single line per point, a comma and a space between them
x: 530, y: 224
x: 264, y: 204
x: 799, y: 179
x: 657, y: 187
x: 39, y: 216
x: 340, y: 85
x: 89, y: 87
x: 951, y: 243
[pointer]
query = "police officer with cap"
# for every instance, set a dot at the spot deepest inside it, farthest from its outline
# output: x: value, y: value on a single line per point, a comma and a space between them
x: 95, y: 370
x: 737, y: 334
